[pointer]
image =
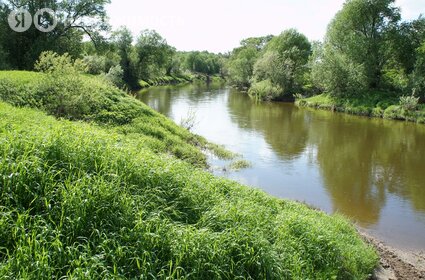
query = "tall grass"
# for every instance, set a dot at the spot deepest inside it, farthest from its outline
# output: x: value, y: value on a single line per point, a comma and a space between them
x: 80, y: 201
x: 90, y: 99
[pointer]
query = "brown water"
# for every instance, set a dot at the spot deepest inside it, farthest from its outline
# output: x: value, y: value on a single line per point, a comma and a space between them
x: 371, y: 170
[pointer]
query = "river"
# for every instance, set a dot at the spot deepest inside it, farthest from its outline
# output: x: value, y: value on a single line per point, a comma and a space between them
x: 370, y: 170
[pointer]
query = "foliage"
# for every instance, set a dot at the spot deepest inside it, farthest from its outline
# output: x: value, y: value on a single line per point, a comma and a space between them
x: 116, y: 76
x: 409, y: 103
x: 265, y: 90
x: 75, y: 19
x: 373, y: 103
x: 83, y: 202
x: 335, y: 73
x: 240, y: 65
x: 417, y: 78
x: 154, y: 55
x: 77, y: 97
x: 359, y: 31
x: 202, y: 62
x: 52, y: 63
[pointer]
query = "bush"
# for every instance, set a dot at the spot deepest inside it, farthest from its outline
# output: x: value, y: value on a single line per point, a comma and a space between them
x: 409, y: 103
x: 338, y: 75
x: 115, y: 76
x: 52, y: 63
x: 95, y: 64
x: 265, y: 90
x: 393, y: 112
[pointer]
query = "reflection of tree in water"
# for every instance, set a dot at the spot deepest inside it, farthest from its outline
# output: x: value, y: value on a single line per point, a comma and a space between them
x: 163, y: 98
x: 345, y: 155
x: 284, y: 127
x: 361, y: 160
x: 158, y: 98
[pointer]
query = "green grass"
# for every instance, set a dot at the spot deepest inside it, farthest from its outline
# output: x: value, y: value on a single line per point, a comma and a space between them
x: 90, y: 99
x: 372, y: 104
x: 84, y: 201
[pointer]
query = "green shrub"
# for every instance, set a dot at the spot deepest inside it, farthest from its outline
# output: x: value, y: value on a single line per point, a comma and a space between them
x: 265, y: 90
x: 393, y: 112
x: 409, y: 103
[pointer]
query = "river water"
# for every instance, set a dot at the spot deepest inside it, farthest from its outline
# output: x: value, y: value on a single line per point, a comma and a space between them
x: 371, y: 170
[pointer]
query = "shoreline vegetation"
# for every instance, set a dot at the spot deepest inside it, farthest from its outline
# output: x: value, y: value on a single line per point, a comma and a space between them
x: 377, y: 105
x: 106, y: 187
x: 94, y: 184
x: 372, y: 65
x: 179, y: 80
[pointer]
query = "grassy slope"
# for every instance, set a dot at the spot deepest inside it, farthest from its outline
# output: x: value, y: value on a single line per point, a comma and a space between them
x: 81, y: 201
x: 90, y: 99
x: 373, y: 104
x: 94, y: 201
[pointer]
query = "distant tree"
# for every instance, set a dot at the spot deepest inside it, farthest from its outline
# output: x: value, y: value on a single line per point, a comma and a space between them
x: 122, y: 40
x: 417, y: 79
x: 203, y: 62
x: 75, y: 19
x: 359, y: 32
x: 284, y: 61
x: 240, y: 65
x: 154, y: 55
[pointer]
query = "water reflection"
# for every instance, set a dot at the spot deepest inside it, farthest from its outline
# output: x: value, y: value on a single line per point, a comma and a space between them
x: 368, y: 169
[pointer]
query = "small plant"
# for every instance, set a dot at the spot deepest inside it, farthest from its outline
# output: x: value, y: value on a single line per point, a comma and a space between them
x: 298, y: 96
x: 409, y: 103
x: 189, y: 122
x: 240, y: 164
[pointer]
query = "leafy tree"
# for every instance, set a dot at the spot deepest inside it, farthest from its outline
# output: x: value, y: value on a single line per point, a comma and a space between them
x: 240, y: 65
x: 334, y: 72
x: 122, y: 40
x: 417, y: 78
x: 359, y: 32
x: 203, y: 63
x: 284, y: 61
x: 75, y: 19
x: 154, y: 55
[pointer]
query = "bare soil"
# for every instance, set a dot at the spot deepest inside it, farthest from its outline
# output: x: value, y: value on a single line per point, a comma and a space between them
x: 396, y: 264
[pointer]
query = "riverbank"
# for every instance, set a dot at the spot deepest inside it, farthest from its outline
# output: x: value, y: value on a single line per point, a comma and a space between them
x: 118, y: 191
x: 373, y: 104
x: 179, y: 80
x: 396, y: 263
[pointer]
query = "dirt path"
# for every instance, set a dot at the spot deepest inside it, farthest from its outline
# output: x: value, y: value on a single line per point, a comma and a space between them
x: 397, y: 264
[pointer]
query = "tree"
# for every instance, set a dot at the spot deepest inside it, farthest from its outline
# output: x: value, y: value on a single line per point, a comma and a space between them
x: 417, y: 79
x: 75, y: 19
x: 122, y: 41
x: 359, y: 31
x: 154, y: 55
x: 284, y: 61
x: 240, y: 65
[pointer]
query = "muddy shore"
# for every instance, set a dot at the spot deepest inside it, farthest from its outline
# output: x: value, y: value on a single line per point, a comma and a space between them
x: 396, y: 264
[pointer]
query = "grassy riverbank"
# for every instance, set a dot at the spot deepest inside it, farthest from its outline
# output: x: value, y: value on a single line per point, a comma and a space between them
x: 372, y: 104
x: 177, y: 80
x: 107, y: 188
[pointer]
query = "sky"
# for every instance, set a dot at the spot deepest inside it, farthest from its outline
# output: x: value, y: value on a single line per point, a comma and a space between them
x: 219, y: 25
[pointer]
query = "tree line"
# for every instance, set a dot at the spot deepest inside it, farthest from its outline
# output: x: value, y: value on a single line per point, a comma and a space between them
x: 84, y: 33
x: 367, y: 48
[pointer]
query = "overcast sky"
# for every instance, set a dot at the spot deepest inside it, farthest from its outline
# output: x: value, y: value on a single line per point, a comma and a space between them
x: 219, y: 25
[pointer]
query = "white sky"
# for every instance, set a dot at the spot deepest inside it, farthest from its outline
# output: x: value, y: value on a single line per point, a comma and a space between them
x: 219, y: 25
